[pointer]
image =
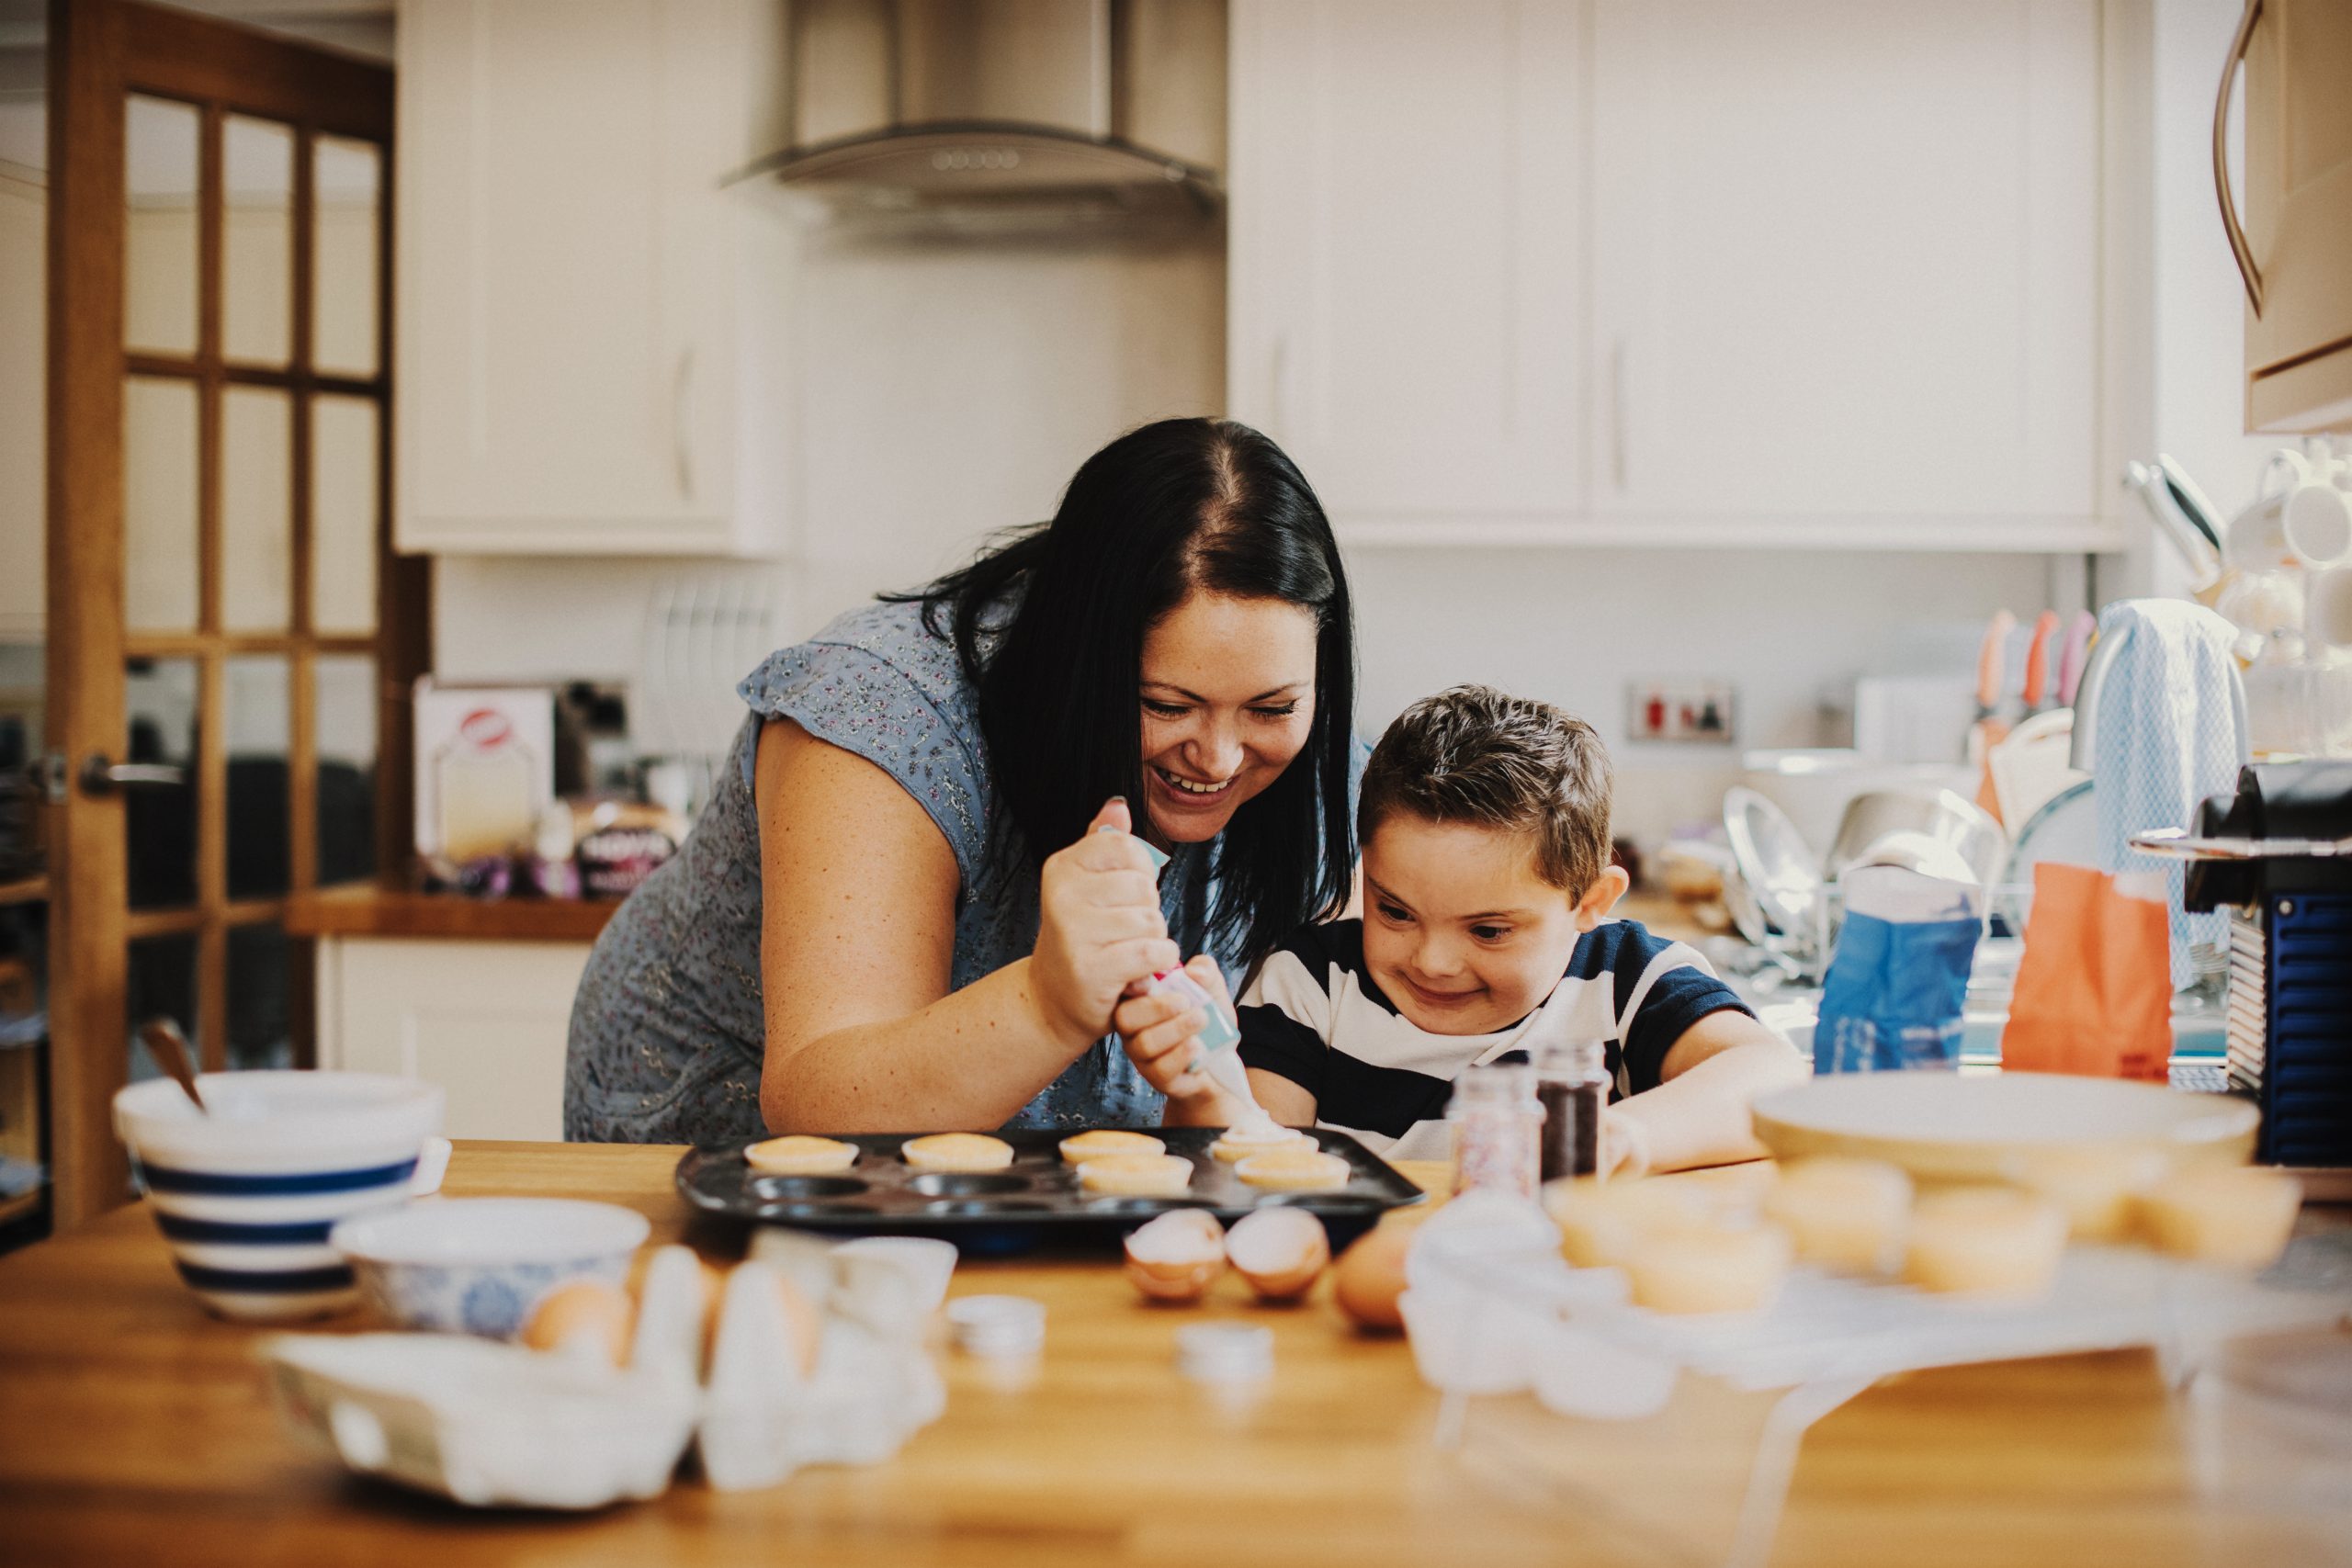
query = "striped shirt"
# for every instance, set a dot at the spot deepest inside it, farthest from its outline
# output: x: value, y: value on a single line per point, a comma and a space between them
x: 1315, y: 1016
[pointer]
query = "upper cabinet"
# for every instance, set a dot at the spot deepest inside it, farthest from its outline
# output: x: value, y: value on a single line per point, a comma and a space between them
x: 2296, y: 247
x: 1817, y: 272
x: 1845, y: 273
x: 582, y: 323
x: 1405, y: 295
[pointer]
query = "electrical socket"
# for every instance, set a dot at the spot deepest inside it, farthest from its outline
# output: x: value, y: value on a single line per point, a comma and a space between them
x: 1697, y: 709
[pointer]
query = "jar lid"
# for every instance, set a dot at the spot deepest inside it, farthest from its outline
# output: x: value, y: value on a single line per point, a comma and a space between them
x: 998, y: 1326
x: 1225, y: 1352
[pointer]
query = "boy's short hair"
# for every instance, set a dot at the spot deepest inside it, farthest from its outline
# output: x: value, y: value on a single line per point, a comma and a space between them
x: 1474, y: 754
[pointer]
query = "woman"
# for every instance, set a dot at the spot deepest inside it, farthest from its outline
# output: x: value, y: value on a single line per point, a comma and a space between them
x: 892, y: 914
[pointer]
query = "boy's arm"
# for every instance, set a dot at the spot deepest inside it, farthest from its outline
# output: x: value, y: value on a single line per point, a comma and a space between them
x: 1290, y: 1103
x: 1698, y: 1114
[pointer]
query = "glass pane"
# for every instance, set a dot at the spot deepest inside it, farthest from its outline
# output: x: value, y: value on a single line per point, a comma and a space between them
x: 256, y: 528
x: 260, y: 704
x: 22, y: 696
x: 161, y: 984
x: 23, y: 371
x: 257, y: 241
x: 159, y: 486
x: 257, y: 1030
x: 159, y: 823
x: 159, y: 276
x: 24, y: 1026
x: 345, y: 726
x: 343, y: 514
x: 348, y: 180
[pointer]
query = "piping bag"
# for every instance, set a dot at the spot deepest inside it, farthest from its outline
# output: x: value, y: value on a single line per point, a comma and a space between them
x: 1218, y: 1044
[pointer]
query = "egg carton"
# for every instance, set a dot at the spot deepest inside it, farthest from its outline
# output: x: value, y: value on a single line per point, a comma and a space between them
x: 490, y: 1423
x: 1492, y: 1308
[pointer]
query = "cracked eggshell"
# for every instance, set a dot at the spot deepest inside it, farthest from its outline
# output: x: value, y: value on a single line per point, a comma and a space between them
x: 1279, y: 1251
x: 1177, y: 1256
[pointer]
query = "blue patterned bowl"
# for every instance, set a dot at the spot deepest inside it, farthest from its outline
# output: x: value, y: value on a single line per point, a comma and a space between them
x: 479, y: 1265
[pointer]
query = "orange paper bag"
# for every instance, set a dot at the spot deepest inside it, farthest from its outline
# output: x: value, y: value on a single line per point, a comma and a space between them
x: 2094, y: 991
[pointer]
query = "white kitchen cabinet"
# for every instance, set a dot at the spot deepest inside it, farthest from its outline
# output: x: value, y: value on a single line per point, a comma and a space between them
x: 1403, y: 305
x: 1846, y: 268
x: 585, y: 318
x: 2298, y: 216
x: 487, y: 1021
x: 1677, y: 272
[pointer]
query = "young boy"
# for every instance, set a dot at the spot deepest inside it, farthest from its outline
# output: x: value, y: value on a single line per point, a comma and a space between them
x: 1486, y: 892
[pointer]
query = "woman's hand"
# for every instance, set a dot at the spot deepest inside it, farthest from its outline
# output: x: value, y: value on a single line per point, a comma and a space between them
x: 1158, y: 1028
x: 1100, y: 930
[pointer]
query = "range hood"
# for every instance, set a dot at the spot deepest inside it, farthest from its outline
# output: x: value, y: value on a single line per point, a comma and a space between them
x: 988, y: 119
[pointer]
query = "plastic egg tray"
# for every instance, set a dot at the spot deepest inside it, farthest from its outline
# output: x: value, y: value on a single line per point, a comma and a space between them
x: 1035, y: 1199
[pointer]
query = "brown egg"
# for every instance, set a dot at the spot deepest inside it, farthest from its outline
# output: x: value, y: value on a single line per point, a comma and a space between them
x: 1279, y: 1251
x: 1371, y: 1277
x: 1177, y: 1256
x: 588, y: 1313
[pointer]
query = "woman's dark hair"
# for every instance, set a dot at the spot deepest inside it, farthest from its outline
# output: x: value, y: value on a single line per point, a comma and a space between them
x: 1049, y: 626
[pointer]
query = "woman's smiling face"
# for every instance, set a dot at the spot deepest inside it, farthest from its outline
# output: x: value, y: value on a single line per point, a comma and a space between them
x: 1228, y: 700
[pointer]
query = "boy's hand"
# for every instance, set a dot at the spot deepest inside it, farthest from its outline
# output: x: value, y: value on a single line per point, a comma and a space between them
x: 1624, y: 1144
x: 1159, y: 1030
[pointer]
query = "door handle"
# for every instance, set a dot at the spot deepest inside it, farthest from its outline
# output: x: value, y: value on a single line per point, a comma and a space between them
x: 681, y: 421
x: 102, y: 777
x: 2250, y: 274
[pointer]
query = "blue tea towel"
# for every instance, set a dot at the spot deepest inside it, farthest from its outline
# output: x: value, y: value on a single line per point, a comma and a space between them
x: 1897, y: 986
x: 2169, y: 730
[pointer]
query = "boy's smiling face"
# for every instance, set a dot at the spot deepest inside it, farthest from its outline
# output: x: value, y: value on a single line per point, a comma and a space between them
x: 1459, y: 929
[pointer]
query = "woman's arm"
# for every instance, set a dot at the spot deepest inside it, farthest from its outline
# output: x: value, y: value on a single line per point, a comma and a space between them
x: 1698, y: 1114
x: 857, y: 940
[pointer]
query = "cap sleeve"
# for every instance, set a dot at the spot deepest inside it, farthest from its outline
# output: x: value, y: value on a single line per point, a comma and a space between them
x: 854, y: 698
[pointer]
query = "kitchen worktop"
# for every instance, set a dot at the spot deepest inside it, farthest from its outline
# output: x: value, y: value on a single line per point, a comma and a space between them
x: 372, y: 911
x: 135, y: 1428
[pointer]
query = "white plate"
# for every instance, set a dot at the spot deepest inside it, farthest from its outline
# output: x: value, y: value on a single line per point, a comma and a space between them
x: 1943, y: 1127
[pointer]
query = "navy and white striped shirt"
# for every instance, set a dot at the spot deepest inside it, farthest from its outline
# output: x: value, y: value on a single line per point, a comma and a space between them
x: 1315, y: 1016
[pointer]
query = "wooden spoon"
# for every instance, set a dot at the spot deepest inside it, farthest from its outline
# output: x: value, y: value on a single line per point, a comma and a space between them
x: 169, y: 1047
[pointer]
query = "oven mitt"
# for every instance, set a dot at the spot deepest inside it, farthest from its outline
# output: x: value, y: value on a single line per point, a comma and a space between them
x: 1896, y: 987
x: 2093, y: 990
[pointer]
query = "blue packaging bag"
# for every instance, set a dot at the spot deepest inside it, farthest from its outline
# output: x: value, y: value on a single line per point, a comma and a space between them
x: 1898, y: 983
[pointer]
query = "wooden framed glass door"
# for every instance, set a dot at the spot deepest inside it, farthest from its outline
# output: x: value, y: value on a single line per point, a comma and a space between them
x: 230, y: 640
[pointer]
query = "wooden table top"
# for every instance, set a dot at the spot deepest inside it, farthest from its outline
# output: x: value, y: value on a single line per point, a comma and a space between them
x: 135, y: 1428
x: 366, y: 910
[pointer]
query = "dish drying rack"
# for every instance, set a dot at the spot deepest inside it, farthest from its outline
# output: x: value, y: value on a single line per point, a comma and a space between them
x: 1828, y: 1338
x: 701, y: 635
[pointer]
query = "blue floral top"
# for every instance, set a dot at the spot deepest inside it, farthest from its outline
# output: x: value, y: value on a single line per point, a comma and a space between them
x: 667, y: 1029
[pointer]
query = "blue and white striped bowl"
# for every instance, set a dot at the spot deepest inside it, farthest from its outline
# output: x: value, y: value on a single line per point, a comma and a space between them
x: 247, y: 1193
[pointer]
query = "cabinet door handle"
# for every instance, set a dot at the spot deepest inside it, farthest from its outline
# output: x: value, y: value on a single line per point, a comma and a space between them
x: 1278, y: 388
x: 2247, y: 270
x: 1617, y: 413
x: 682, y: 450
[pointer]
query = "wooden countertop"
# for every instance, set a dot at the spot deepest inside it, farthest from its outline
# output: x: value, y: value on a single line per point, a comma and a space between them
x: 135, y: 1428
x: 365, y: 911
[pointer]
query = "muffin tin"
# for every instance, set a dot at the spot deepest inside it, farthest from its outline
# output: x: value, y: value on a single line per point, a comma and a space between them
x: 1035, y: 1199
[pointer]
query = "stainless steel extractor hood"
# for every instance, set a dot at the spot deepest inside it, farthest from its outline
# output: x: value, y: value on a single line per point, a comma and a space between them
x: 982, y: 119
